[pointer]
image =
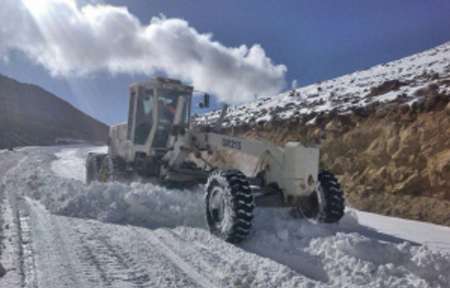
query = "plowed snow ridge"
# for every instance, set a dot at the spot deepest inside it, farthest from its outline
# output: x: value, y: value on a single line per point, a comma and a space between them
x: 281, y: 252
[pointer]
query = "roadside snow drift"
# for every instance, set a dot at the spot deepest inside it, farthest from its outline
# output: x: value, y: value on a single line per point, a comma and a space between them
x: 65, y: 193
x: 282, y: 251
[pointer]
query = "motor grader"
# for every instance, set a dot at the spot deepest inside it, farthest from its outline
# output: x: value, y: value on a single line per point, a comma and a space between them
x: 160, y: 143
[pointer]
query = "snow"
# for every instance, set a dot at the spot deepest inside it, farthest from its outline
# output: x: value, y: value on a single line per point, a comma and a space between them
x: 346, y: 92
x: 435, y: 237
x: 142, y: 204
x: 172, y: 247
x: 342, y: 254
x: 70, y: 163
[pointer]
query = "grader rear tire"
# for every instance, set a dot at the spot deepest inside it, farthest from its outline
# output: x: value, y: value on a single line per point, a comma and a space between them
x: 334, y: 205
x: 229, y: 205
x: 326, y: 204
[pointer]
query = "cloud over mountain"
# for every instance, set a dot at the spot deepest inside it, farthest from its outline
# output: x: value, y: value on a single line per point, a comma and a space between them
x: 73, y: 40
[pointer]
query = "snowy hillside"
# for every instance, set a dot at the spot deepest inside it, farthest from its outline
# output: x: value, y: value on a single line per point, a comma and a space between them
x: 43, y: 246
x: 402, y: 81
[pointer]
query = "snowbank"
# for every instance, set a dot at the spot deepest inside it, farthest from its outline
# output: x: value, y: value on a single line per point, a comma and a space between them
x: 344, y: 255
x: 71, y: 162
x: 141, y: 204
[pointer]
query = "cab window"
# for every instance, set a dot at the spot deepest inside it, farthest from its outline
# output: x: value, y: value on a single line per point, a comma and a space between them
x: 167, y: 102
x: 144, y: 117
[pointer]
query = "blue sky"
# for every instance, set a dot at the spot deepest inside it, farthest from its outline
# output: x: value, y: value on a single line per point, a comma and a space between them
x: 316, y: 40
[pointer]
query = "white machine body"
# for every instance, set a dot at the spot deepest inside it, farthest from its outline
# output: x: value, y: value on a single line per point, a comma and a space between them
x: 294, y: 168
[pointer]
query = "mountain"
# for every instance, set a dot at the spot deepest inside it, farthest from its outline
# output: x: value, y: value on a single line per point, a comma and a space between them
x: 385, y: 132
x: 29, y: 115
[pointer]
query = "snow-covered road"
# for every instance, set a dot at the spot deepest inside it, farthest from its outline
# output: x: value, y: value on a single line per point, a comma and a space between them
x: 58, y: 232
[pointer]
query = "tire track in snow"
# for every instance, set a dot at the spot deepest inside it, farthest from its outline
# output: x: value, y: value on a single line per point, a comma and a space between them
x: 26, y: 253
x: 176, y: 259
x: 228, y: 268
x: 100, y: 264
x: 231, y: 265
x: 57, y: 264
x: 78, y: 253
x: 113, y: 264
x: 205, y: 259
x: 123, y: 257
x: 134, y: 273
x: 88, y: 256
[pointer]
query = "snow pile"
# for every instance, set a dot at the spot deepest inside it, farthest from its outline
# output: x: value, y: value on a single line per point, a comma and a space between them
x: 312, y: 255
x: 71, y: 162
x: 347, y: 254
x: 401, y: 81
x: 67, y: 167
x: 364, y: 261
x: 139, y: 204
x: 233, y: 267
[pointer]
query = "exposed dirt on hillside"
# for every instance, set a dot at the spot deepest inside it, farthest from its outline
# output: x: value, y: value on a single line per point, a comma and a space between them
x: 392, y: 159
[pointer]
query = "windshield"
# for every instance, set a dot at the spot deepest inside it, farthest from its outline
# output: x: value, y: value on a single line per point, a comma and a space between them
x: 144, y: 118
x: 167, y: 102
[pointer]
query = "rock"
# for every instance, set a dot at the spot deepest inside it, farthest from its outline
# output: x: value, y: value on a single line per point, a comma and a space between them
x: 447, y: 108
x: 434, y: 76
x: 320, y: 118
x: 431, y: 102
x: 2, y: 270
x: 411, y: 186
x: 384, y: 110
x: 361, y: 111
x: 404, y: 109
x: 427, y: 91
x: 333, y: 126
x: 341, y: 165
x: 418, y: 106
x: 387, y: 86
x: 309, y: 116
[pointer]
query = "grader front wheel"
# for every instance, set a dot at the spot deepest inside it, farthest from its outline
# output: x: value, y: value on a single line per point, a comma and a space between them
x: 229, y: 205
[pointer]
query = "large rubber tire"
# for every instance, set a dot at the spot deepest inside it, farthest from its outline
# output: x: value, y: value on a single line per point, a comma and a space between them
x: 229, y: 205
x: 93, y: 164
x: 333, y: 197
x: 326, y: 204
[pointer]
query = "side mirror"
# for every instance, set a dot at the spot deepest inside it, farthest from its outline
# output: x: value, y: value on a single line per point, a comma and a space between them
x: 205, y: 103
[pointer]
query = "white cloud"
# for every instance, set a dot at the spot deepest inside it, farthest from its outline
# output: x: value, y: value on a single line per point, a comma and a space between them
x: 73, y: 40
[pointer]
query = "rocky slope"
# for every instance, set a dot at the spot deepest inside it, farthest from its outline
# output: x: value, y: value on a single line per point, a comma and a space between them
x: 385, y: 132
x: 30, y: 115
